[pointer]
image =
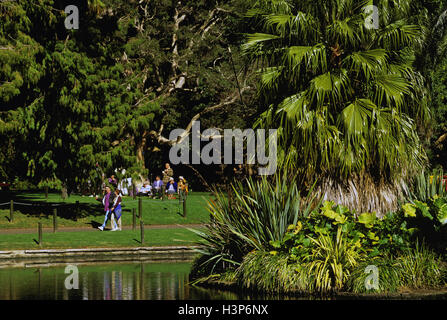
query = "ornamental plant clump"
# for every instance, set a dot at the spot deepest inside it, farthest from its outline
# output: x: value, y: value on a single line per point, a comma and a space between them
x: 429, y: 221
x: 332, y: 244
x: 266, y: 237
x: 371, y: 235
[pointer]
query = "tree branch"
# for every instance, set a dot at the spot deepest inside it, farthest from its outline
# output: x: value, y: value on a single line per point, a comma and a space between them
x: 165, y: 141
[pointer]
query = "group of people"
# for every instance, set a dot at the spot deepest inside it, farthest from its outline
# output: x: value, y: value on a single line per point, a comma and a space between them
x: 112, y: 208
x: 112, y: 200
x: 167, y: 185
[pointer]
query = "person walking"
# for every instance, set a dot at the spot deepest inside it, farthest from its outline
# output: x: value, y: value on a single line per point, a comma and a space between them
x: 107, y: 201
x: 116, y: 210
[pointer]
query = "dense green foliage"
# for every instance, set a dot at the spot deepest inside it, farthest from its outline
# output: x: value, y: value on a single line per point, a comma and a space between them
x: 346, y: 97
x: 360, y: 114
x: 259, y: 213
x: 72, y: 98
x: 417, y: 268
x: 325, y: 244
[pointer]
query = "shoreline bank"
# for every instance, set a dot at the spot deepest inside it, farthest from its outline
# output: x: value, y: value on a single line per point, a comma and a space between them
x: 414, y: 294
x: 11, y: 258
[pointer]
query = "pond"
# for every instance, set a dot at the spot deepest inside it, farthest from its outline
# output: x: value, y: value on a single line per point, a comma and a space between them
x: 107, y: 281
x: 123, y: 281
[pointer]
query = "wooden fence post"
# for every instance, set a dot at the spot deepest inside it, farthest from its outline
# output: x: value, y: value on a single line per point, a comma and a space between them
x: 142, y: 231
x: 77, y: 210
x: 40, y: 233
x: 184, y: 204
x: 54, y: 219
x: 11, y: 211
x: 140, y: 208
x: 134, y: 219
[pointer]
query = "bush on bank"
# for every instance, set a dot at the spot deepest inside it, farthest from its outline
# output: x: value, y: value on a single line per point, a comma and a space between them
x: 267, y: 237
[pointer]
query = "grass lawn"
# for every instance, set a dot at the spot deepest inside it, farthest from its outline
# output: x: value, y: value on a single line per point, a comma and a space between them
x: 91, y: 211
x: 92, y: 239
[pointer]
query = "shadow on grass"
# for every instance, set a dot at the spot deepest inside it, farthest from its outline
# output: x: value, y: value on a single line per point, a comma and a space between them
x: 70, y: 211
x: 94, y: 224
x: 8, y: 218
x: 137, y: 241
x: 179, y: 213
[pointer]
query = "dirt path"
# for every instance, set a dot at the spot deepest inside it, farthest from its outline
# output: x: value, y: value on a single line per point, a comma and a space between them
x: 77, y: 229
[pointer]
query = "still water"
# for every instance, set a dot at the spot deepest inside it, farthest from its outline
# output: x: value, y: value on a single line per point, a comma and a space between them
x: 117, y: 281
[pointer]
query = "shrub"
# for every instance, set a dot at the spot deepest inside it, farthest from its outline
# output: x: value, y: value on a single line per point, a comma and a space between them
x: 428, y: 220
x: 427, y: 185
x: 272, y: 240
x: 52, y: 184
x: 371, y: 235
x: 263, y: 271
x: 325, y: 268
x: 415, y: 268
x: 331, y: 261
x: 257, y: 214
x: 21, y: 185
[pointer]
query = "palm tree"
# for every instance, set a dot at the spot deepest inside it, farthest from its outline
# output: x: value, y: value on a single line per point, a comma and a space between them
x: 344, y: 96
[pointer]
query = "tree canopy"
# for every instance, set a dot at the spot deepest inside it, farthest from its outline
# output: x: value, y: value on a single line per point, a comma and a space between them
x: 345, y: 95
x: 358, y: 109
x: 104, y: 93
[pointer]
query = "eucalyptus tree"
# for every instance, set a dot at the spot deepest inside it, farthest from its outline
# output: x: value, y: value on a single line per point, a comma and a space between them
x: 344, y: 94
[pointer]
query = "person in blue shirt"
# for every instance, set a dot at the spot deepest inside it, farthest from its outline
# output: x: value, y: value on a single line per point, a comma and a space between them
x: 171, y: 188
x: 158, y: 187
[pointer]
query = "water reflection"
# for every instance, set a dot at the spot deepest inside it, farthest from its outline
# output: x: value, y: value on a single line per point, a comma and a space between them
x: 129, y: 281
x: 152, y: 281
x: 134, y: 281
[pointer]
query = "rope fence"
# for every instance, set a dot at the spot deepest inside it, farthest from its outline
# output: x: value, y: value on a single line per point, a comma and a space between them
x: 63, y: 204
x: 36, y: 204
x: 170, y: 204
x: 171, y: 207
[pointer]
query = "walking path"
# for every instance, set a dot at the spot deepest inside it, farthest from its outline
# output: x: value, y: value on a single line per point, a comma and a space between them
x: 77, y: 229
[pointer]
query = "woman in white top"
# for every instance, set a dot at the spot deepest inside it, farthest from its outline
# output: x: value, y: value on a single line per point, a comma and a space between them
x: 171, y: 188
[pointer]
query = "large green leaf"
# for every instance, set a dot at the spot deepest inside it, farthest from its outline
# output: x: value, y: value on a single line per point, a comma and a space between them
x: 368, y: 219
x: 409, y: 210
x: 442, y: 214
x: 424, y: 208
